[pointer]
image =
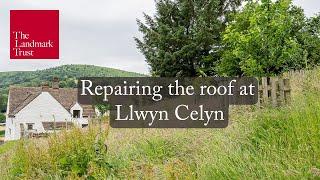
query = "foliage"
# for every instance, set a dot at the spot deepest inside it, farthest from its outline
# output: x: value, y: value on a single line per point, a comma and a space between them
x: 268, y: 38
x: 183, y: 38
x: 2, y: 118
x: 103, y: 108
x: 3, y: 102
x: 309, y: 38
x: 2, y: 133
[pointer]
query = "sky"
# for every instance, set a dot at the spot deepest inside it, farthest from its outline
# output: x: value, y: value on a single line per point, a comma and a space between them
x: 98, y: 32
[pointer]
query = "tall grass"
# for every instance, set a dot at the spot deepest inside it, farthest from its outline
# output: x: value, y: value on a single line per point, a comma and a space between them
x: 69, y: 154
x: 274, y: 144
x: 282, y: 144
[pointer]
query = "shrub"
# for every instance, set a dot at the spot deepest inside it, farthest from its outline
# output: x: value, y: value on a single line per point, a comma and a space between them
x: 2, y: 118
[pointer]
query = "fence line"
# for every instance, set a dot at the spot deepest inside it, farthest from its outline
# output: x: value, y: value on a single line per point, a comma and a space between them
x: 274, y: 90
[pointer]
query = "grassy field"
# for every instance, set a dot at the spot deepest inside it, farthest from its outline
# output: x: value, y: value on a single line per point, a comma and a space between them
x: 270, y: 143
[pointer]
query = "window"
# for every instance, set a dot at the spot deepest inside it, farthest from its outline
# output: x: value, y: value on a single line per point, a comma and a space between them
x: 30, y: 126
x: 76, y: 113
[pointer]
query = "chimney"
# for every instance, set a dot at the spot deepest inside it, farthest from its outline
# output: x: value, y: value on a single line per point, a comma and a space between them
x: 55, y: 83
x: 45, y: 86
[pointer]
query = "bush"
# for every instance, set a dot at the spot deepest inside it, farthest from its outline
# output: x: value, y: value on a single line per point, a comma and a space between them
x: 2, y: 118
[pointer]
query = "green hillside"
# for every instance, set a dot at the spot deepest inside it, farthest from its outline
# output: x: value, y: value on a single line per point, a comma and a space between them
x: 66, y: 73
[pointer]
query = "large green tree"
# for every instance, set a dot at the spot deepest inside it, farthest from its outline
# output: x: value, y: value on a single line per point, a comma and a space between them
x: 184, y: 36
x: 266, y: 38
x: 309, y: 38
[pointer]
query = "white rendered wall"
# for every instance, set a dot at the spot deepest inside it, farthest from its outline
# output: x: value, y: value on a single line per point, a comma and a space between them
x: 43, y: 108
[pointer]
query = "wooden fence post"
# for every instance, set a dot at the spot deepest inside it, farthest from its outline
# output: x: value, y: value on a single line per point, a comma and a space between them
x: 287, y: 90
x: 264, y: 90
x: 281, y: 91
x: 274, y: 89
x: 277, y: 91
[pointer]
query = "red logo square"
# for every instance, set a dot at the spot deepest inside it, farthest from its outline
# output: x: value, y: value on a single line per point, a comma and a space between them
x: 34, y: 34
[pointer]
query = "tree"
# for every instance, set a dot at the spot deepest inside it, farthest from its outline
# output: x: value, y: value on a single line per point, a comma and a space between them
x: 309, y: 38
x: 263, y: 40
x: 3, y: 103
x: 102, y: 108
x: 183, y: 38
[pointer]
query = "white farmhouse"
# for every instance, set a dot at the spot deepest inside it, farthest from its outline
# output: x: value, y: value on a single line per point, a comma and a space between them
x: 39, y: 110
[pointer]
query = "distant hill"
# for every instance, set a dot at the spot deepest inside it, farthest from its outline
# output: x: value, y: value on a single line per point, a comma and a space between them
x: 66, y: 73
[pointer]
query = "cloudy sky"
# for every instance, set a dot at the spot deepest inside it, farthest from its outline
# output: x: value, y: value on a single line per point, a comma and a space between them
x: 98, y: 32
